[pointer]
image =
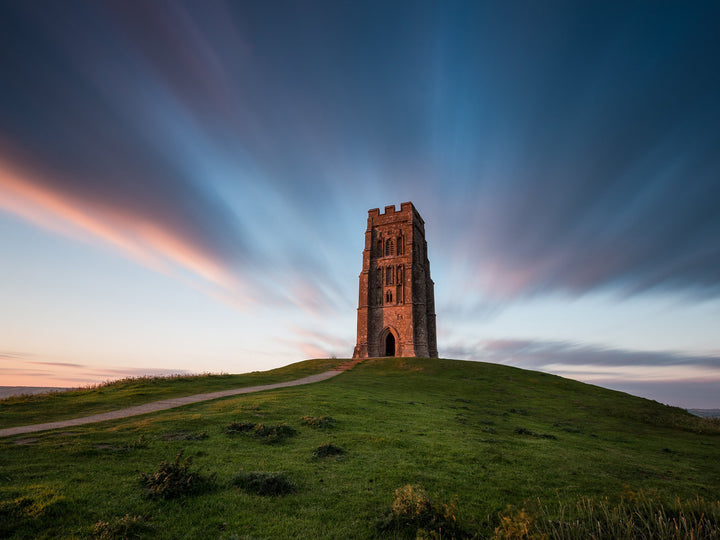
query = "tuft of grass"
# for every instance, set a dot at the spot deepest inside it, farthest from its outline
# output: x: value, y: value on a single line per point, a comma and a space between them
x: 265, y: 433
x: 321, y: 422
x: 127, y: 527
x: 414, y: 512
x: 273, y: 434
x: 264, y: 483
x: 327, y: 450
x: 641, y: 514
x: 516, y: 525
x: 239, y: 427
x: 174, y: 479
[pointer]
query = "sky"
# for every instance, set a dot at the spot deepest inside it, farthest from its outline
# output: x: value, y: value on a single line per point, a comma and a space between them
x: 184, y: 185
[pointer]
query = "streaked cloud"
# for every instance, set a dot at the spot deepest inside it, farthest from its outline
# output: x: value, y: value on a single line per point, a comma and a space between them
x: 554, y: 151
x: 179, y: 125
x: 138, y: 238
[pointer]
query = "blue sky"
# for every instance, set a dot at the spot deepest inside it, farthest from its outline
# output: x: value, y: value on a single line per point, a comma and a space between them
x: 184, y: 186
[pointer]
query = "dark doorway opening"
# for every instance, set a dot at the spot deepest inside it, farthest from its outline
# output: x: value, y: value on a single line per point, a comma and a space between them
x: 390, y: 345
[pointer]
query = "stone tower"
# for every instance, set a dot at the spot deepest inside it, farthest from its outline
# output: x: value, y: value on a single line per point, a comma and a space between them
x: 396, y: 310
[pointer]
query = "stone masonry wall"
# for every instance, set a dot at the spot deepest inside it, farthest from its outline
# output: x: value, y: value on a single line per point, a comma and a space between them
x: 396, y: 292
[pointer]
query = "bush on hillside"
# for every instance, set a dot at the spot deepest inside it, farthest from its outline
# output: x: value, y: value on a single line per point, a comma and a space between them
x: 273, y: 434
x: 319, y: 422
x: 327, y: 450
x: 124, y: 528
x: 239, y: 427
x: 266, y: 433
x: 414, y: 512
x: 175, y: 479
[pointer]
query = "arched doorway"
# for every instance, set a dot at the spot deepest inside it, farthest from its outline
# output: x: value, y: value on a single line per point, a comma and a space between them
x: 390, y: 344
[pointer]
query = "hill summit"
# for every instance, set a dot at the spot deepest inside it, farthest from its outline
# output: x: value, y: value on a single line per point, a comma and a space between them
x: 396, y: 447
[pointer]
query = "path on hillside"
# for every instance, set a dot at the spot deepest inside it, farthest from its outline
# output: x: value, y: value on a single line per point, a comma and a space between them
x: 174, y: 402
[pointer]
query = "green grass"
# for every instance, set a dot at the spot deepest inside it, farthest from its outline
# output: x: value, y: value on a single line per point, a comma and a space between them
x: 491, y: 442
x: 40, y: 408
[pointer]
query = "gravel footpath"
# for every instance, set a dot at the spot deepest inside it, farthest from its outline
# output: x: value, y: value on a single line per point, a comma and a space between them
x: 171, y: 403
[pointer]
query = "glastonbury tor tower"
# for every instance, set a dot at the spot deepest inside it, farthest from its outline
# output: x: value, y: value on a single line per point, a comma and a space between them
x: 396, y: 310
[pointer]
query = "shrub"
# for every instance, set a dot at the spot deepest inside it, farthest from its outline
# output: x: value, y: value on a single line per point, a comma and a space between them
x: 327, y: 450
x: 267, y: 434
x: 413, y: 511
x: 322, y: 422
x: 239, y: 427
x: 124, y: 528
x: 411, y: 502
x: 264, y: 483
x: 174, y: 479
x: 273, y: 434
x: 516, y: 525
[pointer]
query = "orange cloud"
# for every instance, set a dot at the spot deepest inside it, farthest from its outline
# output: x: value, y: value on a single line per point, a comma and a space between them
x: 138, y: 238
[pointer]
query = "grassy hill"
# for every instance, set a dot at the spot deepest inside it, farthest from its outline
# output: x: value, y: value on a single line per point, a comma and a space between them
x: 429, y: 447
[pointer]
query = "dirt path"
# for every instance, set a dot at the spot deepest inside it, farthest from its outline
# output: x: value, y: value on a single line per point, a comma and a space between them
x: 173, y: 402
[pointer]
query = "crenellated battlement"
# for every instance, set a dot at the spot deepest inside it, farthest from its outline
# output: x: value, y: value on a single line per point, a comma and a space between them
x: 391, y: 214
x: 390, y: 209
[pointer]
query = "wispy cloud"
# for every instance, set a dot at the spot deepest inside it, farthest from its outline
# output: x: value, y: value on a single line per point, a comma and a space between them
x: 184, y: 151
x: 56, y: 364
x: 136, y: 236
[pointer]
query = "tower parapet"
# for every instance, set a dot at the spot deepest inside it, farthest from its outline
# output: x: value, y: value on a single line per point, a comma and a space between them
x: 396, y: 305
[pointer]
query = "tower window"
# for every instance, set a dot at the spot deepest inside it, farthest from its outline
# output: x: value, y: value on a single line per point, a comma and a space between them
x: 389, y: 247
x: 388, y: 297
x: 400, y: 245
x: 389, y: 275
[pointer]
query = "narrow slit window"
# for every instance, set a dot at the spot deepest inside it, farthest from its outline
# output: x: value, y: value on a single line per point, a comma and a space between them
x: 390, y: 275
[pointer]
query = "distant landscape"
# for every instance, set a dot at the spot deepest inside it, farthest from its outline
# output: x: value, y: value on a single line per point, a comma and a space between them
x: 7, y: 391
x: 706, y: 413
x: 394, y: 448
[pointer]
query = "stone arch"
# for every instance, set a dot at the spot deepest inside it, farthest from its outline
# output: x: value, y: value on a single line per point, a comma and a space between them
x: 389, y: 342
